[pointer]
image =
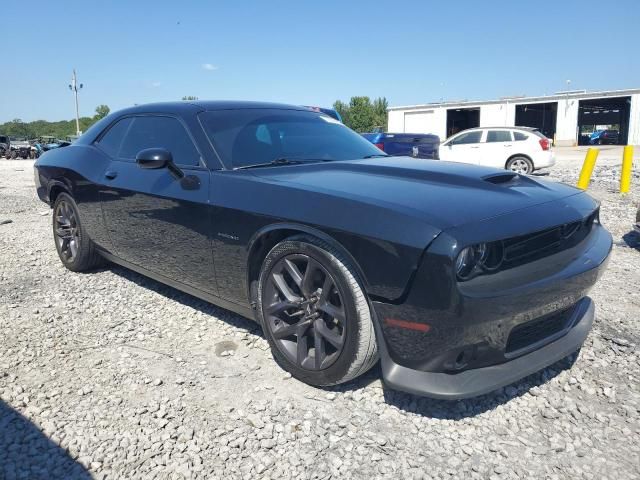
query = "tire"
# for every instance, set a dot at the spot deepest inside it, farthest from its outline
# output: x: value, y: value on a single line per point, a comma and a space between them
x: 75, y: 249
x: 338, y: 320
x: 520, y: 164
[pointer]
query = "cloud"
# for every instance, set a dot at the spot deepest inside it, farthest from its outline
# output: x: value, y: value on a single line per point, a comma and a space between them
x: 208, y: 66
x: 156, y: 84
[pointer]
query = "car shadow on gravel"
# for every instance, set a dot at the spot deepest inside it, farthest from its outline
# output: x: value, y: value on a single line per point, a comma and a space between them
x: 26, y: 452
x: 186, y: 299
x: 461, y: 409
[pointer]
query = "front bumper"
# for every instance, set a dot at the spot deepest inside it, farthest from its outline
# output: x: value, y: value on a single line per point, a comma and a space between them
x: 450, y: 339
x: 471, y: 383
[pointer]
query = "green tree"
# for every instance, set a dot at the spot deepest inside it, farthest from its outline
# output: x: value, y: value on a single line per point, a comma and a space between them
x: 362, y: 115
x: 101, y: 111
x: 380, y: 106
x: 17, y: 128
x: 189, y: 98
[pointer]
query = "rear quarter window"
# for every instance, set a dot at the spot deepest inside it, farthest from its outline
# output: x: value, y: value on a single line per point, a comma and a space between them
x: 519, y: 136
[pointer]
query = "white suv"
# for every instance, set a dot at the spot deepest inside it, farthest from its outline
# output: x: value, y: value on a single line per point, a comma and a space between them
x: 520, y: 149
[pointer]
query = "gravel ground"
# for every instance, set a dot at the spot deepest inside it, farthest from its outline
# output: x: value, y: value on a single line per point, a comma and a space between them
x: 111, y: 375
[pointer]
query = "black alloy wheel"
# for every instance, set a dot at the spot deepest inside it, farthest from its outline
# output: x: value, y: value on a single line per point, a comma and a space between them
x: 304, y: 312
x: 314, y: 312
x: 75, y: 248
x: 66, y: 231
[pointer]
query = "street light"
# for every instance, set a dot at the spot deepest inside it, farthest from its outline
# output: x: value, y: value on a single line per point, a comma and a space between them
x: 74, y: 87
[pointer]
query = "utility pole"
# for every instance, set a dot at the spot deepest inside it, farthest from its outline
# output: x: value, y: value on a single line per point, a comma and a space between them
x: 74, y: 87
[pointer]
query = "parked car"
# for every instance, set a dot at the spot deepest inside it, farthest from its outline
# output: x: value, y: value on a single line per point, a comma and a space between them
x: 520, y: 149
x: 460, y: 278
x: 19, y: 149
x: 636, y: 226
x: 604, y: 137
x: 417, y: 145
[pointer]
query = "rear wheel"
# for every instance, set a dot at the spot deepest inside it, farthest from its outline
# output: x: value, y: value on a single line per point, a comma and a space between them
x: 521, y: 165
x: 76, y: 250
x: 314, y: 313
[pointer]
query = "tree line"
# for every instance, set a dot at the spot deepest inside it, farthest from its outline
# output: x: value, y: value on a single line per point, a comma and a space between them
x: 18, y: 129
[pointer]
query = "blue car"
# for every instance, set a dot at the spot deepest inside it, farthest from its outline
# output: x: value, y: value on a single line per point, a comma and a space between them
x: 604, y: 137
x: 418, y: 145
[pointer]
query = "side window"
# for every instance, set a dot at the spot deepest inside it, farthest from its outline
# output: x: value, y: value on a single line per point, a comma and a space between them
x: 111, y: 141
x: 160, y: 132
x: 498, y: 136
x: 519, y: 136
x: 470, y: 137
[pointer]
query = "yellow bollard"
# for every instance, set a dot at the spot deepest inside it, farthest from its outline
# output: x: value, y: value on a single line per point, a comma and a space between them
x: 587, y: 168
x: 625, y: 175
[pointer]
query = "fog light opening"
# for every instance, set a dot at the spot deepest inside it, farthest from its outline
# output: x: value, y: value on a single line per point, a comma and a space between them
x: 461, y: 360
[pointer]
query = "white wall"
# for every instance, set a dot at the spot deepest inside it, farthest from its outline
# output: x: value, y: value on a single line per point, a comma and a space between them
x: 396, y: 121
x: 634, y: 121
x: 567, y: 123
x: 498, y: 115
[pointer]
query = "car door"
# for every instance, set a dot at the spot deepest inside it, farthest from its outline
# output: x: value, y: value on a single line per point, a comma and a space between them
x: 155, y: 220
x: 496, y: 148
x: 464, y: 147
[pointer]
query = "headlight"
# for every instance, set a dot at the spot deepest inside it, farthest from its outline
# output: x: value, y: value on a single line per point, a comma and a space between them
x: 465, y: 263
x: 479, y: 258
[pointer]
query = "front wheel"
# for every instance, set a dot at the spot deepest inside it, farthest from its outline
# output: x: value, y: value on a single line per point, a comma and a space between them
x: 521, y: 165
x: 314, y: 313
x: 76, y: 250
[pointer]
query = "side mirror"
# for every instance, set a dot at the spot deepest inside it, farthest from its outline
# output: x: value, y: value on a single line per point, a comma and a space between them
x: 155, y: 158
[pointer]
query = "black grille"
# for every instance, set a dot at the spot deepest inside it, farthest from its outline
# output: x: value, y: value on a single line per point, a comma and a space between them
x: 527, y: 248
x: 536, y: 330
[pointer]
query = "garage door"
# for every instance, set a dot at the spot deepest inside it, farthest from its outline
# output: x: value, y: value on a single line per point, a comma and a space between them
x: 418, y: 122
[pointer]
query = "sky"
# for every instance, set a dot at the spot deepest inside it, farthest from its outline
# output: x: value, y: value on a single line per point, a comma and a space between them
x: 308, y: 52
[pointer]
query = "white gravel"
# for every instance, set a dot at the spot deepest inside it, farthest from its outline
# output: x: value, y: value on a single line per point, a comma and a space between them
x: 111, y: 375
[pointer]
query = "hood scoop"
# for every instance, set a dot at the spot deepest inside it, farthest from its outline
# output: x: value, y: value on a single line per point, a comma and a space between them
x: 500, y: 178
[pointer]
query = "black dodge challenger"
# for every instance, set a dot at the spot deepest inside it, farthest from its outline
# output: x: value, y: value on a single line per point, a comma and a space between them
x: 460, y: 279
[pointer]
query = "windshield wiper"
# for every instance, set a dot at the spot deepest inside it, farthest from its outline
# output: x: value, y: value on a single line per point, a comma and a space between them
x: 279, y: 161
x: 376, y: 155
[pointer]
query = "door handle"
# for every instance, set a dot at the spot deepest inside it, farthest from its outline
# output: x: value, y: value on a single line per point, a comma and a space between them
x: 476, y: 147
x: 509, y: 145
x: 111, y: 174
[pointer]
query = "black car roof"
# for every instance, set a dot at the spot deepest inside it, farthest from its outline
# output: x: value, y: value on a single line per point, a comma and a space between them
x: 207, y: 105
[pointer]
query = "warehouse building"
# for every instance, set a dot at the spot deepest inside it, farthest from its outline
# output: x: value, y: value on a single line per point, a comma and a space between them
x: 567, y: 117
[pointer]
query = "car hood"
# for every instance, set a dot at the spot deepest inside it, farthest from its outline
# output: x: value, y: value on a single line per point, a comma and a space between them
x: 445, y: 194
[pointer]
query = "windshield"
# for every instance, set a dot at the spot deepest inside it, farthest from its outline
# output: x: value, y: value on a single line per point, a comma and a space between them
x: 252, y: 136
